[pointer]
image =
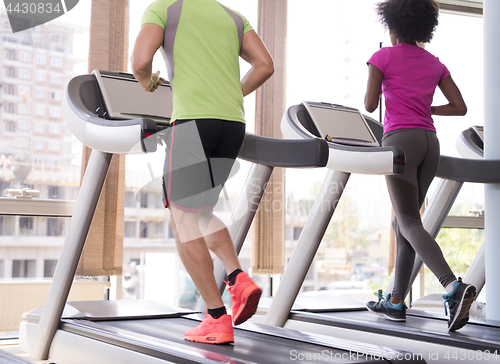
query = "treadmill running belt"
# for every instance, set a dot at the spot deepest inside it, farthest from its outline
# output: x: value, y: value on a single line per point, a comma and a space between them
x: 157, y: 337
x: 418, y: 326
x: 8, y: 358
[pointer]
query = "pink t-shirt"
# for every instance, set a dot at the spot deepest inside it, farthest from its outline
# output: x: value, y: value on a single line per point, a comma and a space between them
x: 411, y: 75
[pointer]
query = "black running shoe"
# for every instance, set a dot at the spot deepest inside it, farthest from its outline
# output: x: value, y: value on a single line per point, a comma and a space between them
x: 385, y: 308
x: 459, y: 301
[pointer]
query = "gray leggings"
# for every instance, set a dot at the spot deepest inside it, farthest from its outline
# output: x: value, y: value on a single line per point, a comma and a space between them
x: 407, y: 192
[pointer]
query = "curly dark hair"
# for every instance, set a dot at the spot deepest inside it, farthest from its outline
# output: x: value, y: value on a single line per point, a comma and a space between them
x: 411, y: 20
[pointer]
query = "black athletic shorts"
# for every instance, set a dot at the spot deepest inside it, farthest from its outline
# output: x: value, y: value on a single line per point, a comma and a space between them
x: 199, y: 156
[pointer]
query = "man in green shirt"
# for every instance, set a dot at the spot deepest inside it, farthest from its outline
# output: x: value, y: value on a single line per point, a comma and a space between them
x: 202, y: 41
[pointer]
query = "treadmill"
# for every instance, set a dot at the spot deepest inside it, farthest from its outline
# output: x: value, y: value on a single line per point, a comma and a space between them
x: 147, y: 332
x: 423, y: 332
x: 8, y: 358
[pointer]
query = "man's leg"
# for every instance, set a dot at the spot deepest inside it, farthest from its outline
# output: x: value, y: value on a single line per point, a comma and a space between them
x: 195, y: 256
x: 245, y: 294
x: 218, y: 240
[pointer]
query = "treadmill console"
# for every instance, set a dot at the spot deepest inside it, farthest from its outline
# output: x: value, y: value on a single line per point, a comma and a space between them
x: 340, y: 124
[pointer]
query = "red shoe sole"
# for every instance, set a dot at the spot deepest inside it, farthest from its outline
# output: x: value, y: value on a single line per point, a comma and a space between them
x: 249, y: 305
x: 212, y: 339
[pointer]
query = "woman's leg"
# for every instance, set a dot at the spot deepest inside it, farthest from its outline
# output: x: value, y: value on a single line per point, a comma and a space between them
x: 405, y: 258
x: 407, y: 192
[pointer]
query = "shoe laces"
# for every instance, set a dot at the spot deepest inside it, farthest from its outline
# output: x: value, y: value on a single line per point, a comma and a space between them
x: 381, y: 296
x: 448, y: 297
x: 387, y: 297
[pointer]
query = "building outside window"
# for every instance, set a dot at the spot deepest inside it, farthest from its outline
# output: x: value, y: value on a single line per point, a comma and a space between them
x: 24, y: 56
x: 24, y: 74
x: 41, y: 59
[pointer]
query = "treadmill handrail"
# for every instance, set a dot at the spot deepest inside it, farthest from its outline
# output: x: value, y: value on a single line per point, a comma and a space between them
x: 76, y: 93
x: 469, y: 170
x: 290, y: 152
x: 106, y: 135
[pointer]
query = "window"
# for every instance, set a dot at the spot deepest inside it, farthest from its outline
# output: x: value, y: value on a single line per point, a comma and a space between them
x: 170, y: 233
x: 58, y: 38
x: 38, y: 144
x: 55, y: 226
x: 8, y: 89
x: 56, y: 79
x: 151, y: 200
x: 296, y: 233
x: 55, y: 129
x: 10, y: 39
x: 55, y: 112
x: 24, y: 74
x: 7, y: 223
x: 40, y: 76
x: 56, y: 95
x: 144, y: 199
x: 49, y: 267
x: 130, y: 199
x: 156, y: 230
x: 23, y: 125
x: 129, y: 229
x: 39, y: 128
x: 9, y: 72
x: 9, y: 126
x: 41, y: 59
x: 23, y: 143
x: 24, y: 109
x: 152, y: 229
x: 39, y: 93
x: 26, y: 226
x: 22, y: 89
x: 39, y: 111
x: 8, y: 108
x: 23, y: 268
x: 56, y: 62
x: 24, y: 56
x: 56, y: 192
x: 144, y: 229
x: 9, y: 54
x: 25, y: 130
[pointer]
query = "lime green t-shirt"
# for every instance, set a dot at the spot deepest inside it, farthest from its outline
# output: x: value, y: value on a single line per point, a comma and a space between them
x: 202, y: 44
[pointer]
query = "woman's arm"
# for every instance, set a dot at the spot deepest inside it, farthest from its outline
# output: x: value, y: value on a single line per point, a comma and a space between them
x: 374, y: 88
x: 255, y: 52
x: 456, y: 104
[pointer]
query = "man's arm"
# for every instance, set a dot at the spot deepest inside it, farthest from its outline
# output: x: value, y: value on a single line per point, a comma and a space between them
x: 148, y: 41
x: 255, y: 52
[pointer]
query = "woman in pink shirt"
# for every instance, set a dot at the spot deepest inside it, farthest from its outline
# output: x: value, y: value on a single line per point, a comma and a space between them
x: 408, y: 75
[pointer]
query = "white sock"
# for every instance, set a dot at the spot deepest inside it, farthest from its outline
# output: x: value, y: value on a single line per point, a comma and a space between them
x: 449, y: 287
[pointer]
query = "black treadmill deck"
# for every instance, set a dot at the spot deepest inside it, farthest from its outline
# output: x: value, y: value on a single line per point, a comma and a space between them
x: 260, y: 344
x: 419, y: 326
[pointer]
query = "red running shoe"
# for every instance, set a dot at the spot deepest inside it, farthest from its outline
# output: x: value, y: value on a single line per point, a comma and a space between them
x: 212, y: 331
x: 245, y: 295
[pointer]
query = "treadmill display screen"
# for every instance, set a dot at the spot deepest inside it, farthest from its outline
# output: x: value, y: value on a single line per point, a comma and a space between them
x: 343, y: 125
x: 125, y: 98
